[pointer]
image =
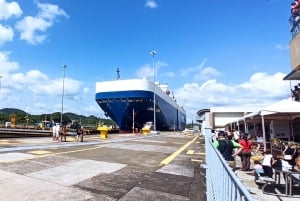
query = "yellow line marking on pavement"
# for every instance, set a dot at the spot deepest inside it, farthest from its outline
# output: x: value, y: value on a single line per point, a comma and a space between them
x: 176, y: 153
x: 177, y: 143
x: 50, y: 154
x: 190, y: 152
x: 5, y: 143
x: 196, y: 160
x: 71, y: 139
x: 200, y: 153
x: 39, y: 152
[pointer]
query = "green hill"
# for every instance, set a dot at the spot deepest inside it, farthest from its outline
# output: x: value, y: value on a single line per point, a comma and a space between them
x: 25, y: 118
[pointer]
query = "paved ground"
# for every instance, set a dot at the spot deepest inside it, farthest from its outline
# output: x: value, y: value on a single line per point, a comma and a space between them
x: 121, y: 167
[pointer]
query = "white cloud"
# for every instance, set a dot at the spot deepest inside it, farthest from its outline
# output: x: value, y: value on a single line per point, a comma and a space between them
x: 206, y: 73
x: 9, y: 9
x: 6, y: 34
x: 168, y: 74
x: 33, y: 28
x: 50, y: 11
x: 6, y: 65
x: 201, y: 72
x: 151, y: 4
x: 147, y: 70
x: 281, y: 47
x: 261, y: 89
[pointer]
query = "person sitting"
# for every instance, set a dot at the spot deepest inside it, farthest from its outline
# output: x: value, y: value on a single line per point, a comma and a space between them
x: 289, y: 154
x: 258, y: 170
x: 267, y: 163
x: 297, y: 164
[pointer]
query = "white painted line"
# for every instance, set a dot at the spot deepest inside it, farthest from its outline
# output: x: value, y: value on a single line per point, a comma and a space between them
x: 75, y: 172
x: 14, y: 156
x: 154, y: 141
x: 177, y: 170
x: 141, y: 147
x: 20, y: 188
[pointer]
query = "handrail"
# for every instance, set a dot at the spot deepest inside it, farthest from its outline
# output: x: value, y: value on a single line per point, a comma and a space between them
x: 221, y: 182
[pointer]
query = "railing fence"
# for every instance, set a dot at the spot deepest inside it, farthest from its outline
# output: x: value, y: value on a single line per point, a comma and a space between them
x: 221, y: 182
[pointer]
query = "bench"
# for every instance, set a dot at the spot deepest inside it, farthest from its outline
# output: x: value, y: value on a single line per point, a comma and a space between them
x: 265, y: 181
x: 294, y: 182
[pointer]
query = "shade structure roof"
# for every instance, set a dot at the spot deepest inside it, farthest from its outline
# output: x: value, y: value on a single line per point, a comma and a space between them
x: 282, y: 109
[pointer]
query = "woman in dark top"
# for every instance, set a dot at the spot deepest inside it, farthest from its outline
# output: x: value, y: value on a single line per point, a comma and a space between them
x: 289, y: 154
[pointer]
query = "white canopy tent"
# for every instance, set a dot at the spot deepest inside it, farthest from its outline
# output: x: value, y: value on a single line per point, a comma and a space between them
x: 284, y: 109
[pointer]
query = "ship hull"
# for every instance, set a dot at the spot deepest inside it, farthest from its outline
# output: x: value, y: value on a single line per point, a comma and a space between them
x: 131, y: 107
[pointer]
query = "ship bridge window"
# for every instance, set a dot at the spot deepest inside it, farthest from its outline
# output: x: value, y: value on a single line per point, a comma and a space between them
x: 124, y: 100
x: 138, y: 100
x: 110, y: 100
x: 117, y: 99
x: 104, y: 100
x: 130, y: 100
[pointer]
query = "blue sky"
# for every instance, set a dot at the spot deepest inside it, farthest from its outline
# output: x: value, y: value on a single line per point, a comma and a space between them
x: 211, y: 53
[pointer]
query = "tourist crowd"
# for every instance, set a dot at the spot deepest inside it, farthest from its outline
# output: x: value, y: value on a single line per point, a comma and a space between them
x: 234, y: 143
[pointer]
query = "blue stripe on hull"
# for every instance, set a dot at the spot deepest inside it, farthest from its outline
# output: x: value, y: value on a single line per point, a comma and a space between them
x: 119, y: 106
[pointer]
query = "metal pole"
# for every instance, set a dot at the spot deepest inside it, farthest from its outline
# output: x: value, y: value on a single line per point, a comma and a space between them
x: 133, y: 121
x: 153, y: 53
x: 62, y: 97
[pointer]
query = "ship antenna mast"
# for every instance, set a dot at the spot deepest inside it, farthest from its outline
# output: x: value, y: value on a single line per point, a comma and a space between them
x: 118, y: 73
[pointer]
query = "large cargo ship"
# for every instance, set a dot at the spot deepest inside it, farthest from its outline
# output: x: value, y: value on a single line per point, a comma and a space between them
x: 130, y: 103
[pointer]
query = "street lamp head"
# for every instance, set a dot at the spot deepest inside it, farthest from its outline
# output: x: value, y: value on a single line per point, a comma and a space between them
x: 153, y: 53
x: 64, y: 65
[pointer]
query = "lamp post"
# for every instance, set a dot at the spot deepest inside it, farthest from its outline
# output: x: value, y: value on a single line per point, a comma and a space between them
x: 153, y: 53
x: 64, y: 66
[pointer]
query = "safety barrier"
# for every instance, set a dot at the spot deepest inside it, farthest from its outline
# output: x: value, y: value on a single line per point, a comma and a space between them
x: 221, y: 182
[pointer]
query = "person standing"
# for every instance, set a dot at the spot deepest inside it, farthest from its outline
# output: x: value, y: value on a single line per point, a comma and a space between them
x: 63, y: 134
x: 53, y: 132
x: 226, y: 146
x: 57, y: 129
x: 246, y: 152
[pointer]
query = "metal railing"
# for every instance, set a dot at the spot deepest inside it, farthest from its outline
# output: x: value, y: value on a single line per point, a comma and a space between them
x: 221, y: 182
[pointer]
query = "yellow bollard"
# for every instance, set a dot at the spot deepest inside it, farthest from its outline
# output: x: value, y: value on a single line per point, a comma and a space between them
x: 103, y: 131
x: 146, y: 130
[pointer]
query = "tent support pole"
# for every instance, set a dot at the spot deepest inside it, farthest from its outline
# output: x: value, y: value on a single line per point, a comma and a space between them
x: 264, y: 131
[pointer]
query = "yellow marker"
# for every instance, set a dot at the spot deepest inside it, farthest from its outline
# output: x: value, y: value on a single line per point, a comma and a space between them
x: 200, y: 153
x: 196, y: 160
x: 40, y: 152
x: 190, y: 152
x: 176, y: 153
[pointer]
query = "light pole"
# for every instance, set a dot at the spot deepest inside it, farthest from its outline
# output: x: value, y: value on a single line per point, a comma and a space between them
x: 153, y: 53
x: 62, y: 97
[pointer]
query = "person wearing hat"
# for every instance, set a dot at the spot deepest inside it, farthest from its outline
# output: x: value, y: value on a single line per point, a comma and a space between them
x: 226, y: 147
